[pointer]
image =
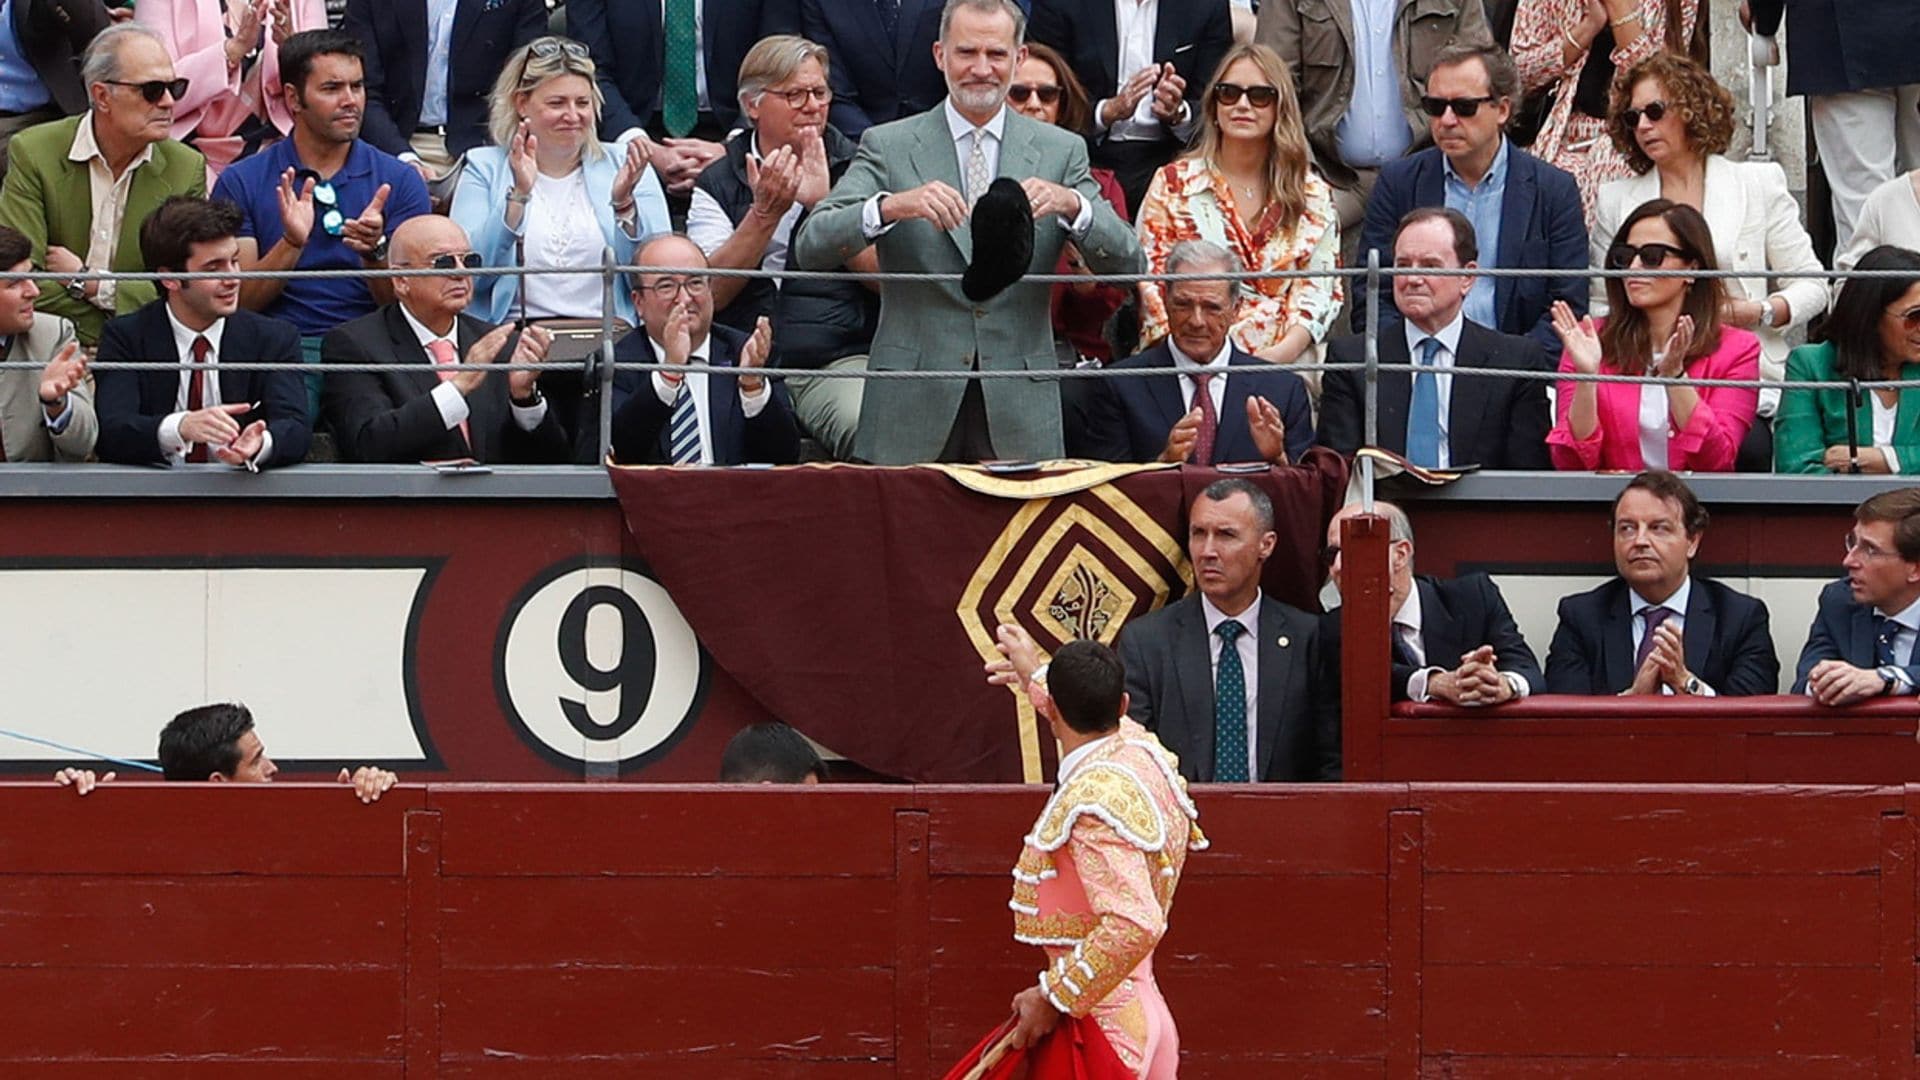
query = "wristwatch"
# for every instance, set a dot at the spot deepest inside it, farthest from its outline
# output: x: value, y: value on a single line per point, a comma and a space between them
x: 534, y: 399
x: 1692, y: 686
x: 1892, y: 676
x: 379, y: 252
x: 76, y: 288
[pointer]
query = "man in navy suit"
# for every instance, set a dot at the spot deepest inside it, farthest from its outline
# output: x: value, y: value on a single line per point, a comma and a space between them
x: 422, y: 106
x: 1656, y: 629
x: 247, y: 419
x: 1453, y: 639
x: 695, y: 418
x: 882, y: 53
x: 628, y: 41
x: 1435, y: 418
x: 420, y: 414
x: 1215, y: 404
x: 1235, y: 682
x: 1862, y: 642
x: 1525, y: 212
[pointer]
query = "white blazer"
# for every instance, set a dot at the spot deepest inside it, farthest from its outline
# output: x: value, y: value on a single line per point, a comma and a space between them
x: 1755, y: 225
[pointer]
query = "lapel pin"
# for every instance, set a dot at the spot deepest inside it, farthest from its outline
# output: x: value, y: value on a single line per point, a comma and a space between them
x: 1283, y: 641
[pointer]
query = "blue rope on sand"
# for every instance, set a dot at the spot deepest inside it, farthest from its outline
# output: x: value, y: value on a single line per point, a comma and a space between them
x: 77, y: 750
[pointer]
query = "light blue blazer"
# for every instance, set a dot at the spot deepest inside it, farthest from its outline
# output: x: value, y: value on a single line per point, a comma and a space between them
x: 480, y: 200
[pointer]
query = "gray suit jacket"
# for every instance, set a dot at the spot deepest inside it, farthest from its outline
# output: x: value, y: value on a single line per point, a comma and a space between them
x: 932, y: 326
x: 22, y: 425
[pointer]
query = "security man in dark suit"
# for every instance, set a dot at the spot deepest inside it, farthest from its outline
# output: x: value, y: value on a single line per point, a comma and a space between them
x: 1656, y: 629
x: 1862, y: 642
x: 1453, y: 639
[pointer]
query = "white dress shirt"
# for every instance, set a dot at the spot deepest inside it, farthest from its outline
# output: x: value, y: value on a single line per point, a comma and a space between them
x: 696, y: 384
x: 1407, y: 629
x: 1884, y: 416
x: 171, y: 444
x: 433, y: 96
x: 109, y: 201
x: 447, y: 397
x: 962, y: 130
x: 1248, y: 646
x: 1134, y: 22
x: 1677, y: 604
x: 1903, y: 641
x: 1189, y: 367
x: 1449, y: 339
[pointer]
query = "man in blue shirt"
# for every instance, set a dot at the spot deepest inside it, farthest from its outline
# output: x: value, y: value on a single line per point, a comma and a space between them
x: 40, y: 46
x: 321, y: 199
x: 1525, y: 213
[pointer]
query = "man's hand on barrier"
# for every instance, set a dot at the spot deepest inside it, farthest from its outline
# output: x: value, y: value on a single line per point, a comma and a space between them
x: 363, y: 233
x: 296, y: 210
x: 213, y: 426
x: 1181, y: 439
x: 1269, y: 431
x: 934, y: 201
x: 535, y: 341
x: 753, y: 356
x: 1872, y: 460
x: 368, y: 782
x: 1475, y: 682
x: 1836, y: 682
x: 244, y: 445
x: 1048, y: 197
x: 66, y: 370
x: 81, y: 781
x: 1020, y: 657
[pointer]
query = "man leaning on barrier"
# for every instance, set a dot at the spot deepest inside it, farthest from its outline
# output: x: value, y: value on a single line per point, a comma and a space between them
x: 1862, y: 641
x: 45, y: 415
x: 420, y: 410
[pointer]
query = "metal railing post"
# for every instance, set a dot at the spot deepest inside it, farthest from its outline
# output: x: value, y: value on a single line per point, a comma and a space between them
x: 1372, y: 355
x: 603, y: 372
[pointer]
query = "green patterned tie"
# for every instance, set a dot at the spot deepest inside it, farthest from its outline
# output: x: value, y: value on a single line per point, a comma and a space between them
x: 679, y: 97
x: 1229, y: 709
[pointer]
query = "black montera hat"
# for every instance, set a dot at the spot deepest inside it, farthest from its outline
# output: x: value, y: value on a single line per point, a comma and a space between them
x: 1002, y: 240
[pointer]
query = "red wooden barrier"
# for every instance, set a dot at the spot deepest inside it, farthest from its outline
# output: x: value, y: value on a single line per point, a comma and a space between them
x: 588, y: 932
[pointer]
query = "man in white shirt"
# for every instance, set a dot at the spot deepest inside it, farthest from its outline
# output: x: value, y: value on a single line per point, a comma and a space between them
x: 1863, y: 636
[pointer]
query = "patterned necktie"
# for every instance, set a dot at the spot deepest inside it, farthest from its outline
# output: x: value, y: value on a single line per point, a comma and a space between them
x: 1229, y: 709
x: 1654, y: 616
x: 683, y: 429
x: 1423, y: 412
x: 889, y: 15
x: 442, y: 352
x: 679, y: 97
x: 1403, y: 648
x: 976, y: 176
x: 1209, y: 421
x: 1883, y: 642
x: 197, y: 391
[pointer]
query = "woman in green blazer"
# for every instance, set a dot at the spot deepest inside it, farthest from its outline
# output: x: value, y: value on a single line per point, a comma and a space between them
x: 1872, y: 334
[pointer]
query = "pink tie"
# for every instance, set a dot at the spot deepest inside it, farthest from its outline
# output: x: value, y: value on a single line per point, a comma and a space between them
x: 443, y: 355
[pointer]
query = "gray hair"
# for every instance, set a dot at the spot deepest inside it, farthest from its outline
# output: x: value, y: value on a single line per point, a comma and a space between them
x: 1398, y: 526
x: 988, y: 7
x: 101, y: 62
x: 1199, y: 256
x: 774, y: 59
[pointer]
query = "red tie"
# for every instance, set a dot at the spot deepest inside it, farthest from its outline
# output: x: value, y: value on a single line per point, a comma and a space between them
x: 197, y: 393
x: 1209, y: 420
x: 442, y: 352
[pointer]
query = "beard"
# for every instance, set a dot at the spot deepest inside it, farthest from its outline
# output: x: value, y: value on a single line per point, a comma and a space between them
x: 977, y: 99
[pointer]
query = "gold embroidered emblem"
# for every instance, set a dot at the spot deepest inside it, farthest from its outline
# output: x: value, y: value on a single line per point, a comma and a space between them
x: 1087, y: 601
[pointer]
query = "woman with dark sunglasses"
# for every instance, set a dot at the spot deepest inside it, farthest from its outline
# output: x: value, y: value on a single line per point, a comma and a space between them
x: 1672, y: 126
x: 1872, y: 334
x: 1247, y: 185
x: 1668, y: 327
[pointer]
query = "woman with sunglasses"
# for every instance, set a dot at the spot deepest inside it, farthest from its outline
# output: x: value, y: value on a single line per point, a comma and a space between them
x: 1247, y: 186
x: 1672, y: 127
x: 1872, y: 334
x: 1669, y: 327
x: 548, y: 193
x: 1572, y: 48
x: 229, y: 55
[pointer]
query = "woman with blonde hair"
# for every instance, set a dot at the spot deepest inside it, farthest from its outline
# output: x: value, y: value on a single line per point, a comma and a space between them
x: 1247, y: 185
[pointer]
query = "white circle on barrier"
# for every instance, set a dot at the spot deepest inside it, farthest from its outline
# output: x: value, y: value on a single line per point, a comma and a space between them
x: 599, y: 666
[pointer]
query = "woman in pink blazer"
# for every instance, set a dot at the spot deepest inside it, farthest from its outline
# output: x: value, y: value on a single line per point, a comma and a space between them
x: 231, y: 63
x: 1664, y: 326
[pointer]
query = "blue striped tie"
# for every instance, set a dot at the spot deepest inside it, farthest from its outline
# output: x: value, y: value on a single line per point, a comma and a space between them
x: 683, y: 431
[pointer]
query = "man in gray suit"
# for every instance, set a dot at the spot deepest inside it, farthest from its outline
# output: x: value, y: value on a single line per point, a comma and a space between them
x: 910, y: 192
x: 1238, y: 684
x: 45, y: 415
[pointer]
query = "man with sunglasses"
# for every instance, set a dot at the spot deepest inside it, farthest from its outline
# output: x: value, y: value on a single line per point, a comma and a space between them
x: 1862, y: 641
x: 424, y: 414
x: 79, y: 188
x: 1526, y: 214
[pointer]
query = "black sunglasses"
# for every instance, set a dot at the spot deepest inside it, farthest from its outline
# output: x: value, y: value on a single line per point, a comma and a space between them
x: 154, y: 89
x: 332, y: 220
x: 469, y: 260
x: 1259, y: 97
x: 1652, y: 110
x: 1020, y: 92
x: 1651, y: 256
x: 1462, y: 107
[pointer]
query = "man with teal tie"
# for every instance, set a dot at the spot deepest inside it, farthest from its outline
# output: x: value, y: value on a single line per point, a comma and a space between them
x: 1236, y: 683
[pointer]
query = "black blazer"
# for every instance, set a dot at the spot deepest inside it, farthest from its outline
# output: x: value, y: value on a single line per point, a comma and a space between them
x: 390, y: 416
x: 1871, y: 48
x: 628, y: 46
x: 1491, y: 422
x: 1842, y: 630
x: 131, y: 404
x: 394, y: 33
x: 53, y: 34
x: 1728, y: 644
x: 1193, y: 36
x: 1170, y: 681
x: 1458, y: 615
x: 1128, y: 419
x: 1542, y: 227
x: 876, y: 77
x: 640, y: 418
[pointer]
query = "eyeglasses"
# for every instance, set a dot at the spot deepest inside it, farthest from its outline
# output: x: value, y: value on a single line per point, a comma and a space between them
x: 469, y: 260
x: 1909, y: 319
x: 1655, y: 111
x: 549, y: 47
x: 1866, y: 551
x: 1651, y: 256
x: 155, y: 89
x: 798, y: 97
x: 1259, y: 97
x: 332, y: 220
x: 669, y: 288
x: 1462, y: 107
x: 1020, y: 92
